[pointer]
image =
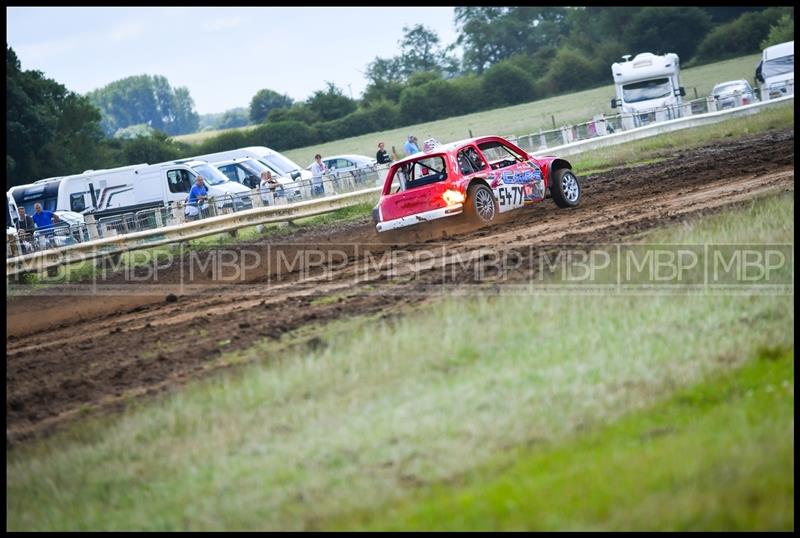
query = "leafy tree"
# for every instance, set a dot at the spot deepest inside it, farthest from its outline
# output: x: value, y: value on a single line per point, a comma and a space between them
x: 420, y: 51
x: 235, y: 117
x: 135, y: 131
x: 570, y: 70
x: 741, y: 36
x: 282, y: 135
x: 780, y: 32
x: 146, y: 99
x: 506, y: 84
x: 225, y: 141
x: 418, y: 79
x: 156, y: 148
x: 492, y: 34
x: 265, y: 101
x: 49, y: 130
x: 470, y: 89
x: 430, y: 101
x: 667, y: 29
x: 331, y: 104
x: 298, y: 112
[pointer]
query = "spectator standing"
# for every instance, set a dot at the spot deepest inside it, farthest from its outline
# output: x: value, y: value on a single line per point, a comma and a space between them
x: 410, y: 146
x: 25, y: 228
x: 43, y: 219
x: 268, y: 186
x: 198, y: 199
x: 317, y: 171
x: 25, y: 225
x: 382, y: 156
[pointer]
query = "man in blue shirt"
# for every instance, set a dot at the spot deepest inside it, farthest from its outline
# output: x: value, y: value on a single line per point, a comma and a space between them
x: 410, y: 146
x: 198, y: 197
x: 42, y: 219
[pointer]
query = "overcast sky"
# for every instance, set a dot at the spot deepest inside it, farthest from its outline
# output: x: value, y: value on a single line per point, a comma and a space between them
x: 223, y: 55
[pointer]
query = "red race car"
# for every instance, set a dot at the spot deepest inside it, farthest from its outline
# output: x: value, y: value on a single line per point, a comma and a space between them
x: 480, y: 177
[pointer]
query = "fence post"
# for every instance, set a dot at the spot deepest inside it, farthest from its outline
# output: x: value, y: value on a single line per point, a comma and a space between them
x: 564, y: 136
x: 542, y: 140
x: 712, y: 104
x: 91, y: 225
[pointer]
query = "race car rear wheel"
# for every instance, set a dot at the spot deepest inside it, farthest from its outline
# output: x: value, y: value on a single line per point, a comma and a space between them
x: 480, y: 207
x: 565, y: 188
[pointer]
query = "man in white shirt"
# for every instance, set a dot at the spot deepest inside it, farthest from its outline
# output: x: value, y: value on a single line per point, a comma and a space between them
x: 317, y: 171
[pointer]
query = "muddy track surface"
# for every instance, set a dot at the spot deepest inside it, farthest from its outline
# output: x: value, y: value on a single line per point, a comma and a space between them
x: 73, y: 355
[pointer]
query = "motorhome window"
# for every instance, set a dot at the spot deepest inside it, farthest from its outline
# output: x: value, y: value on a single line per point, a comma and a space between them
x: 422, y: 172
x: 499, y: 155
x: 284, y: 165
x: 77, y: 202
x: 210, y: 174
x: 646, y: 90
x: 778, y: 66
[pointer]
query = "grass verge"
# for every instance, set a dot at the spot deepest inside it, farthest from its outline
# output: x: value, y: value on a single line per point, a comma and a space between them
x: 718, y: 456
x: 377, y: 412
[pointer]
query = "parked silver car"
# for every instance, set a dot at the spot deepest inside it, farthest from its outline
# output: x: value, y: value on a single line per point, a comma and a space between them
x: 725, y: 93
x: 338, y: 165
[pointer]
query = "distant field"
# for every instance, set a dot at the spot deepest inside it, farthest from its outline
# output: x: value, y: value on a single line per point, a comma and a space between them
x: 514, y: 120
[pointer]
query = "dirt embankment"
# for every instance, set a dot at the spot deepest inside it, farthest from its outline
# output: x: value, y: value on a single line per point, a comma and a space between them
x: 68, y: 353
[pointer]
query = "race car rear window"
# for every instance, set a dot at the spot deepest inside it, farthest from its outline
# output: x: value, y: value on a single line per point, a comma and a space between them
x: 418, y: 173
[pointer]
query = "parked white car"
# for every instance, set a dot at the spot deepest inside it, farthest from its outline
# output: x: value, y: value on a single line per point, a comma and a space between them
x: 725, y: 94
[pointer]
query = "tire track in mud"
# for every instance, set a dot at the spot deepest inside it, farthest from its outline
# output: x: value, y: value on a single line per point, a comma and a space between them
x: 64, y: 353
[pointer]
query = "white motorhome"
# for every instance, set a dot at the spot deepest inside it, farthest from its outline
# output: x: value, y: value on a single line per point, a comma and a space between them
x: 129, y: 189
x: 280, y: 165
x: 775, y: 71
x: 648, y: 88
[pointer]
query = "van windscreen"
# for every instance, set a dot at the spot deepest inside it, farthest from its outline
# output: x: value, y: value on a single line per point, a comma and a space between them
x: 210, y: 174
x: 284, y: 165
x: 646, y: 90
x: 778, y: 66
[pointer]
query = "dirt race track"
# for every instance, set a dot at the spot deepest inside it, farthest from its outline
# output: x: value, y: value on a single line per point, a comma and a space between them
x: 67, y: 354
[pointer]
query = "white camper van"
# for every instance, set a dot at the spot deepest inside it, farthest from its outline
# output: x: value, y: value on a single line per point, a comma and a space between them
x: 775, y: 71
x: 280, y: 165
x: 129, y: 188
x: 645, y: 85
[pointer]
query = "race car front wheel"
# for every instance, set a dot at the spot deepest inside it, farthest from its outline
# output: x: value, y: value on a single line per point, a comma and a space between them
x: 565, y: 188
x: 480, y: 207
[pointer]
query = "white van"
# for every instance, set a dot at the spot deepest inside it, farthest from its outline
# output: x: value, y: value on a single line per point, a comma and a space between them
x: 280, y: 165
x: 775, y: 71
x: 129, y: 189
x: 646, y: 83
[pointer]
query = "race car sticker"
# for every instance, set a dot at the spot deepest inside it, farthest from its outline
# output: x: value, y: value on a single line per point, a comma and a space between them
x: 510, y: 197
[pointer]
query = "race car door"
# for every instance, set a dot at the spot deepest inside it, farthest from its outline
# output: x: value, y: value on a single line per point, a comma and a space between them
x: 515, y: 179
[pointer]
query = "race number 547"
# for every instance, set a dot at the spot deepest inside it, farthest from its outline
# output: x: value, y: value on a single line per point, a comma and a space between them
x: 510, y: 195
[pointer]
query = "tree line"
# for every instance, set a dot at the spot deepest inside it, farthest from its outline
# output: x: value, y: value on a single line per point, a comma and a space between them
x: 510, y: 55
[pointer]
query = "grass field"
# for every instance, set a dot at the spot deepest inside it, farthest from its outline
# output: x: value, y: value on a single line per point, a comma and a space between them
x: 462, y: 426
x: 635, y: 474
x: 516, y: 120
